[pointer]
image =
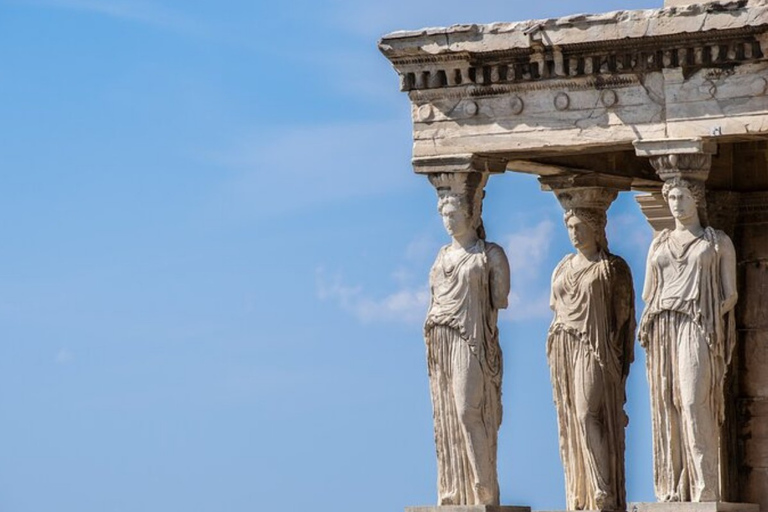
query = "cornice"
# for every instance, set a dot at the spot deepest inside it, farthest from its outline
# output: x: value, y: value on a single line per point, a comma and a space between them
x: 713, y: 35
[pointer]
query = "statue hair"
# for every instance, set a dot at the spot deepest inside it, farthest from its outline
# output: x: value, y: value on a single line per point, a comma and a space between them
x: 596, y: 219
x: 460, y: 202
x: 697, y: 190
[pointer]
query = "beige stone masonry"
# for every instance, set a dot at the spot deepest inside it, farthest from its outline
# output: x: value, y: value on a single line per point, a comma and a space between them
x: 469, y: 508
x: 715, y: 506
x: 544, y: 87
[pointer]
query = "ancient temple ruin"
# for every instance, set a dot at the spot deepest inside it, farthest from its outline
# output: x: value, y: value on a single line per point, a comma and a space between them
x: 620, y: 100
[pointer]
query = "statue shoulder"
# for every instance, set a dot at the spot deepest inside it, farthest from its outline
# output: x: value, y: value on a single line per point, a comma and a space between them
x: 495, y: 253
x: 561, y: 264
x: 440, y: 254
x: 617, y: 262
x: 660, y: 238
x: 720, y: 235
x: 565, y: 259
x: 721, y: 240
x: 619, y: 266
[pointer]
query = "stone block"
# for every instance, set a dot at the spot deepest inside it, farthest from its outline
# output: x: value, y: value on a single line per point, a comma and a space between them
x: 755, y: 434
x: 709, y: 102
x: 468, y: 508
x: 713, y: 506
x: 753, y: 242
x: 680, y: 3
x: 755, y: 486
x: 753, y: 295
x: 754, y: 379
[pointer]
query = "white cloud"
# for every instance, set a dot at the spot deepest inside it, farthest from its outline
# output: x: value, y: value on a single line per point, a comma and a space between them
x: 629, y: 233
x: 528, y: 248
x: 148, y: 13
x: 64, y: 357
x: 421, y: 248
x: 531, y: 304
x: 407, y: 305
x: 300, y: 167
x: 372, y: 19
x: 528, y: 253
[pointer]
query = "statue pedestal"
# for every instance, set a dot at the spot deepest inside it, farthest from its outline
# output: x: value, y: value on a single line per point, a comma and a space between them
x: 472, y: 508
x: 681, y: 506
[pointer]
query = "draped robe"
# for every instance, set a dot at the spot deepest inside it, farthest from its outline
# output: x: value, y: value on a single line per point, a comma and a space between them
x: 589, y: 348
x: 465, y: 369
x: 689, y: 341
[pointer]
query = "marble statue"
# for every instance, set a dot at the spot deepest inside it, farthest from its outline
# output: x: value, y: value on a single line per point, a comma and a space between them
x: 469, y: 283
x: 688, y: 332
x: 590, y: 346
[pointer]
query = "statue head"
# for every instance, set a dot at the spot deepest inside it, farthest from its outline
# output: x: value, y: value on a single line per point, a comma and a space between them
x: 685, y: 198
x: 586, y: 228
x: 585, y: 214
x: 457, y: 218
x: 460, y: 200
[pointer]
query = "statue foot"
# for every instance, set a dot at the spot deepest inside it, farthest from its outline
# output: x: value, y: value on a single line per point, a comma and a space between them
x: 484, y: 496
x: 604, y: 501
x: 449, y: 499
x: 707, y: 495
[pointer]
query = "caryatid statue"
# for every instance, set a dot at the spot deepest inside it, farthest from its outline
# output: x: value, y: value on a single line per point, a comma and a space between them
x: 590, y: 346
x: 688, y: 332
x: 469, y: 283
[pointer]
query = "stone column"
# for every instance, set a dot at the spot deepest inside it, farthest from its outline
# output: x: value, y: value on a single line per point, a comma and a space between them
x: 690, y: 159
x: 743, y: 216
x: 593, y: 301
x: 469, y: 283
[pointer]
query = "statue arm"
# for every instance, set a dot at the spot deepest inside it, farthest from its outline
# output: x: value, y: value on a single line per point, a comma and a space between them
x: 727, y: 273
x: 552, y: 299
x: 552, y: 289
x: 499, y: 277
x: 650, y: 278
x: 624, y: 312
x: 625, y: 306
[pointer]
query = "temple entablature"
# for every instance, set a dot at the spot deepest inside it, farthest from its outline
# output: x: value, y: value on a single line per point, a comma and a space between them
x: 581, y: 83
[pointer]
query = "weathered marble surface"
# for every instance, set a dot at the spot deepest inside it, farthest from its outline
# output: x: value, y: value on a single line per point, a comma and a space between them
x: 469, y: 283
x: 680, y: 3
x: 715, y: 506
x: 590, y: 346
x: 586, y: 81
x: 688, y: 331
x: 471, y: 508
x: 576, y: 28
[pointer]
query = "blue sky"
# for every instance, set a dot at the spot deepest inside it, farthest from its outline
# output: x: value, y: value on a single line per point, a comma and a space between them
x: 214, y: 257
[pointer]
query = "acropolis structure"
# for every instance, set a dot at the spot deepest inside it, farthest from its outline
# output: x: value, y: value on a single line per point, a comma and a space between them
x: 601, y: 104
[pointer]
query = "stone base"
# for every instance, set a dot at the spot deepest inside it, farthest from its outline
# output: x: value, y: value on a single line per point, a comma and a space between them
x: 683, y: 506
x: 469, y: 508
